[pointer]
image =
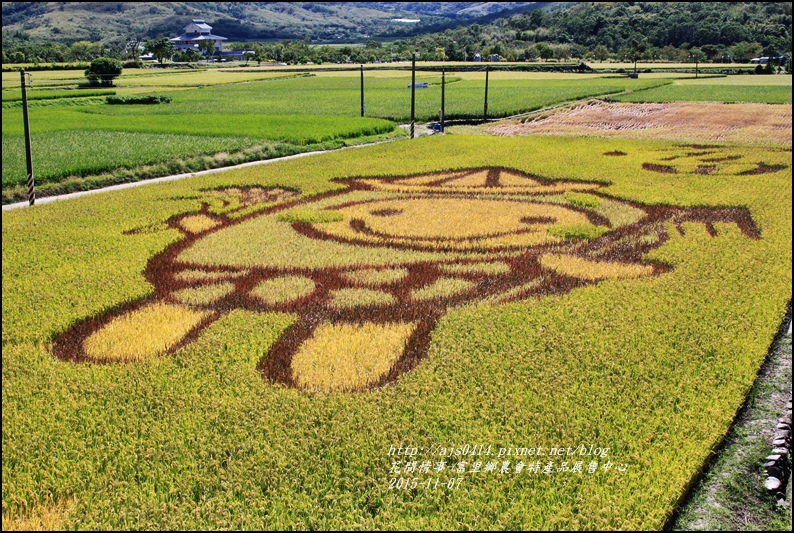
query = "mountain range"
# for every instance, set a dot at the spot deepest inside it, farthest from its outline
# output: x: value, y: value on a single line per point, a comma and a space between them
x: 342, y: 22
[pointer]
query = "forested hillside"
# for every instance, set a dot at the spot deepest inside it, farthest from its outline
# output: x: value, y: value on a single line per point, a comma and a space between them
x: 718, y: 31
x: 114, y: 23
x: 291, y: 32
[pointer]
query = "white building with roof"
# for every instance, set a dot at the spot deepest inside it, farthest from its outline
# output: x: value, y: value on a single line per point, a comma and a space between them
x: 194, y: 33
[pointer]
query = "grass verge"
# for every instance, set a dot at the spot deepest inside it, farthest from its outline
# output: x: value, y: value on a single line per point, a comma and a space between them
x: 731, y: 495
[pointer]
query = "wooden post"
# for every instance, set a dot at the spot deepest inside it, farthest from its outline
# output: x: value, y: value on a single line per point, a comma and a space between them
x: 28, y: 155
x: 362, y: 90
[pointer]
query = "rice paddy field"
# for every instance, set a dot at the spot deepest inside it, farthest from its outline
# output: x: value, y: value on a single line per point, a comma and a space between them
x: 548, y: 328
x: 254, y: 113
x: 769, y: 89
x: 331, y: 343
x: 259, y: 111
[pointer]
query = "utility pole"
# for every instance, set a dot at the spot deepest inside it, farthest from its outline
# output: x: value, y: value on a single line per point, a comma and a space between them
x: 413, y: 93
x: 28, y: 156
x: 362, y: 90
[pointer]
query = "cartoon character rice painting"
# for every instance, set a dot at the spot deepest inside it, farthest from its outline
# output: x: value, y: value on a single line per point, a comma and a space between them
x: 369, y: 270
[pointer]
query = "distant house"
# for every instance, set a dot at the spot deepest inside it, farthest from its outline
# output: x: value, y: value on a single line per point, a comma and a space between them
x: 194, y: 33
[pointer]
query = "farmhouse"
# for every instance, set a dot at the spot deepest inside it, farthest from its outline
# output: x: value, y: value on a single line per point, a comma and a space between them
x: 194, y: 33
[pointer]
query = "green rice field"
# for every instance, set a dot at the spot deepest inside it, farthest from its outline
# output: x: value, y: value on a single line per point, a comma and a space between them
x: 771, y: 89
x: 246, y: 110
x: 243, y: 110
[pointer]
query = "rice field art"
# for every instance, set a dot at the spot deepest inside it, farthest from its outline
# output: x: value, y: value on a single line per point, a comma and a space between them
x: 251, y: 349
x: 370, y: 269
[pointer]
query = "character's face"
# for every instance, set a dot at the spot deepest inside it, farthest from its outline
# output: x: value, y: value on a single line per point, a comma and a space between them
x: 370, y: 270
x: 454, y: 223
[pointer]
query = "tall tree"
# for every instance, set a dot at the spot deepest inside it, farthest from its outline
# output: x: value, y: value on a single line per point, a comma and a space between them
x: 103, y: 70
x: 160, y: 48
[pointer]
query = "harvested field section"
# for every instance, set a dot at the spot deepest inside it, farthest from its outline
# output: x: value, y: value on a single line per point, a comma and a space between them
x: 699, y: 122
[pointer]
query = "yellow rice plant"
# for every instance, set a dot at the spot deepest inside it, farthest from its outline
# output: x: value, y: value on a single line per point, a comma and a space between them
x: 50, y: 517
x: 204, y: 295
x: 619, y: 214
x: 487, y: 269
x: 480, y: 189
x: 345, y: 298
x: 197, y: 223
x: 448, y: 222
x: 577, y: 267
x: 283, y: 289
x: 442, y: 288
x: 341, y: 357
x: 271, y: 243
x: 143, y: 333
x: 196, y: 275
x: 577, y: 231
x: 377, y: 276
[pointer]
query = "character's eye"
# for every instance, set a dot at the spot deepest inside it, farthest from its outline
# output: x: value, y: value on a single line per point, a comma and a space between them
x: 386, y: 212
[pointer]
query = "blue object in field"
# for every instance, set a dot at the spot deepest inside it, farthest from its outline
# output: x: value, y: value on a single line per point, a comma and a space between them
x: 436, y: 126
x: 419, y: 85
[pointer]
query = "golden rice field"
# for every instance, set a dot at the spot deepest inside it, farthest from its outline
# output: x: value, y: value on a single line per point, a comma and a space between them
x: 377, y: 338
